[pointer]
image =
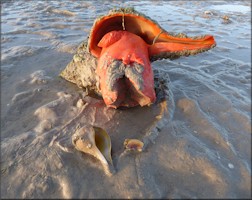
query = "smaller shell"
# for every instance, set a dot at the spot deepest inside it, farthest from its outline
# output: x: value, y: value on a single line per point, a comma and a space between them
x: 96, y: 142
x: 80, y: 103
x: 133, y: 145
x: 225, y: 17
x: 208, y: 12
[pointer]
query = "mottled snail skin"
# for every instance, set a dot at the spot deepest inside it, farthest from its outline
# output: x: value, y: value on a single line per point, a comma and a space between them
x: 136, y: 84
x: 115, y: 60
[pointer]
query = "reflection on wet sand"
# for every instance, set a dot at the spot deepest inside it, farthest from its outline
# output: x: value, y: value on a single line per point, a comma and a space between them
x: 197, y: 141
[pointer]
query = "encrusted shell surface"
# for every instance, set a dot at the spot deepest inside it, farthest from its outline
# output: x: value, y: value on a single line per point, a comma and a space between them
x: 81, y: 70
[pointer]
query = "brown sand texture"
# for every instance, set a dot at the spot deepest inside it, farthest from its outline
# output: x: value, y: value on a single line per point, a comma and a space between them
x: 197, y: 141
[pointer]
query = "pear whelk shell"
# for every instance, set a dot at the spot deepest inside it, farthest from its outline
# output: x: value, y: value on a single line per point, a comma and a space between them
x: 133, y: 145
x: 96, y: 142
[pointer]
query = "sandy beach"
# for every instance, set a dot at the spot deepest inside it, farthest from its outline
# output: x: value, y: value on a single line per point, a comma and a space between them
x: 197, y: 141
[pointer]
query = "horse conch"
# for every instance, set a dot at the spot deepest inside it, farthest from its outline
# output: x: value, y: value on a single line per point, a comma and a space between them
x: 96, y: 142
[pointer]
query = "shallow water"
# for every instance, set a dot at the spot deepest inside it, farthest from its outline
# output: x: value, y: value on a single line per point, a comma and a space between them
x: 197, y: 142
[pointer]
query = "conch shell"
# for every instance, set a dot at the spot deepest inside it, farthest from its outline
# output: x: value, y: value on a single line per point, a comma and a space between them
x: 96, y: 142
x: 115, y: 61
x: 162, y: 44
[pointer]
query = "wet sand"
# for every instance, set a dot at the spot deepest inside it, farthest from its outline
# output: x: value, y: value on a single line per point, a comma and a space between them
x: 197, y: 140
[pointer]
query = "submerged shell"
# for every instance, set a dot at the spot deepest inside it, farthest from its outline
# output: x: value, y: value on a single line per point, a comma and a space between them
x: 96, y: 142
x: 133, y: 145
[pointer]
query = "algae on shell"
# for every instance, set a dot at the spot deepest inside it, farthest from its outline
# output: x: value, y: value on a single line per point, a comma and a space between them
x: 81, y: 69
